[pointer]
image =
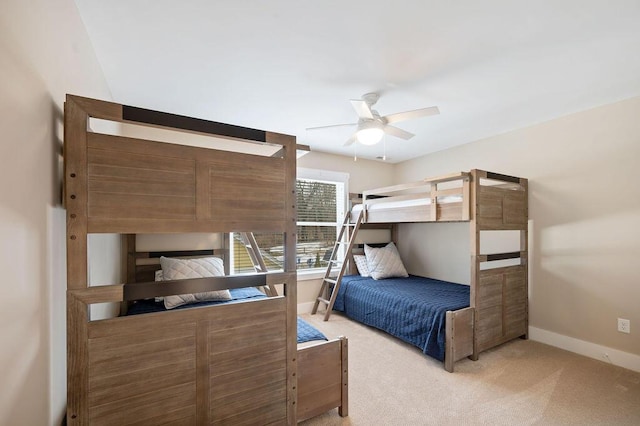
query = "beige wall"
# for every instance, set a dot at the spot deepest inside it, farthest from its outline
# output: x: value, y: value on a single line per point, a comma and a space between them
x: 44, y: 54
x: 363, y: 174
x: 585, y: 217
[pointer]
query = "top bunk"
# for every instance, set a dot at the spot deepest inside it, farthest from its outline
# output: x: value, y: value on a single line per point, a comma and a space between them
x: 448, y: 198
x: 183, y: 175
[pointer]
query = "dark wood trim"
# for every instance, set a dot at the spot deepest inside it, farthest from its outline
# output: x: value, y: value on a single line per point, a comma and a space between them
x: 176, y: 253
x: 504, y: 178
x: 150, y: 289
x: 503, y: 256
x: 165, y: 119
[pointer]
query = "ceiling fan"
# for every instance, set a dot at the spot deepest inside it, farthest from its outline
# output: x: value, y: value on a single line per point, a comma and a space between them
x: 372, y: 126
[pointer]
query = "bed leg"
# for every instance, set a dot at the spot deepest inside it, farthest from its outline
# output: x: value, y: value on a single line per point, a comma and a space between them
x: 343, y: 410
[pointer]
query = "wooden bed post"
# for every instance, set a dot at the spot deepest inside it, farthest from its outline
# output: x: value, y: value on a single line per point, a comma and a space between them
x: 475, y: 251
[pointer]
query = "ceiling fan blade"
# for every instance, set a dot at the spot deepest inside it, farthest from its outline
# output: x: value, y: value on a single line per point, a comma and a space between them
x: 351, y: 140
x: 407, y: 115
x: 398, y: 133
x: 362, y: 108
x: 331, y: 126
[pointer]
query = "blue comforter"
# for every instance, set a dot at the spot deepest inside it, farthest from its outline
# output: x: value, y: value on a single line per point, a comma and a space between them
x: 306, y: 332
x: 412, y: 309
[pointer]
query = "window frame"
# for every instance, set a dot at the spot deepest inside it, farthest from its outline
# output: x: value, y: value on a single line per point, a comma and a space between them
x: 325, y: 176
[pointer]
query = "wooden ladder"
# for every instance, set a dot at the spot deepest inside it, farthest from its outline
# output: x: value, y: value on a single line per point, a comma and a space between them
x: 257, y: 260
x: 347, y: 235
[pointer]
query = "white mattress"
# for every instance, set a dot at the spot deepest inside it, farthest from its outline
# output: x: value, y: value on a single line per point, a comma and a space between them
x: 406, y: 203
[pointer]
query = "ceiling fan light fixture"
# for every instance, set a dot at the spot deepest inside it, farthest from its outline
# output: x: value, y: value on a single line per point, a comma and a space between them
x: 369, y: 135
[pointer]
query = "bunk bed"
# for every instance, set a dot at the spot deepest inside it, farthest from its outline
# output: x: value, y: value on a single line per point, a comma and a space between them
x: 466, y: 320
x: 231, y: 363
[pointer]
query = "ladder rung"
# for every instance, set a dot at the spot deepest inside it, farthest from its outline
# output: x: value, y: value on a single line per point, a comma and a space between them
x: 329, y: 280
x: 335, y: 261
x: 323, y: 300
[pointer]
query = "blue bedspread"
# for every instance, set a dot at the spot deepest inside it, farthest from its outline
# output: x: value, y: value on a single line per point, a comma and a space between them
x: 306, y: 332
x: 412, y: 309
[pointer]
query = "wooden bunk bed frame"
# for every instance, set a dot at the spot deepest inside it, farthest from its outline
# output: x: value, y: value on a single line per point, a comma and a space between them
x: 227, y: 364
x: 498, y: 310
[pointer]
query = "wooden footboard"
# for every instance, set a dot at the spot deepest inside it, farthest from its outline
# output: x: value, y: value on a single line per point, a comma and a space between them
x: 322, y: 378
x: 223, y: 364
x: 459, y: 335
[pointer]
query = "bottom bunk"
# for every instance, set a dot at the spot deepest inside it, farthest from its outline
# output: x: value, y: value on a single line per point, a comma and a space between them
x: 322, y: 364
x: 431, y: 314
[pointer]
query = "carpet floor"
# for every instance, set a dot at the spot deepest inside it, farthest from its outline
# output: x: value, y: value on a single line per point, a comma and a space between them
x: 519, y: 383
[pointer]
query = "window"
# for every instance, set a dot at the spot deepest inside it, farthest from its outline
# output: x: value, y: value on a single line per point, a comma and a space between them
x: 321, y: 204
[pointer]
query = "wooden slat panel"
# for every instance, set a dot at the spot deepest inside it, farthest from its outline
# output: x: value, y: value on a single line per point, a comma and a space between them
x: 144, y: 406
x: 489, y: 324
x: 148, y: 358
x: 183, y: 416
x: 450, y: 212
x: 159, y: 161
x: 273, y: 413
x: 266, y: 337
x: 164, y: 188
x: 238, y: 387
x: 515, y: 208
x: 319, y: 379
x: 243, y: 381
x: 151, y: 226
x: 263, y: 401
x: 260, y: 183
x: 138, y: 349
x: 489, y: 291
x: 319, y: 367
x: 141, y: 206
x: 225, y: 361
x: 108, y: 388
x: 502, y: 208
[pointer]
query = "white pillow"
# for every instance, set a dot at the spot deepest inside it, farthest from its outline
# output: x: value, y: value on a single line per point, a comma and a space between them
x: 178, y: 269
x: 361, y: 264
x: 384, y: 262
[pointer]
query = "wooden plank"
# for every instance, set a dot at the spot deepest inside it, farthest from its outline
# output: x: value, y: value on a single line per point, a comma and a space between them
x: 136, y: 335
x: 75, y: 193
x: 97, y: 108
x: 100, y: 294
x: 265, y: 399
x: 77, y: 361
x: 143, y: 406
x: 105, y: 388
x: 183, y: 416
x: 343, y: 410
x: 273, y: 413
x: 290, y: 284
x: 450, y: 212
x: 154, y: 226
x: 245, y: 380
x: 459, y: 336
x: 203, y: 368
x: 474, y: 249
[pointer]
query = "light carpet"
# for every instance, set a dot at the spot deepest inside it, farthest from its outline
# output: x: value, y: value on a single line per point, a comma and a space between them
x: 519, y: 383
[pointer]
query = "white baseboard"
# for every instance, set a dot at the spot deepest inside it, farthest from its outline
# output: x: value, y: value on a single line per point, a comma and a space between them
x: 305, y: 308
x: 591, y: 350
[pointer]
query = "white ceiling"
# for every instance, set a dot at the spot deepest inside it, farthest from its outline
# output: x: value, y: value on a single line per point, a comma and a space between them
x: 285, y: 65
